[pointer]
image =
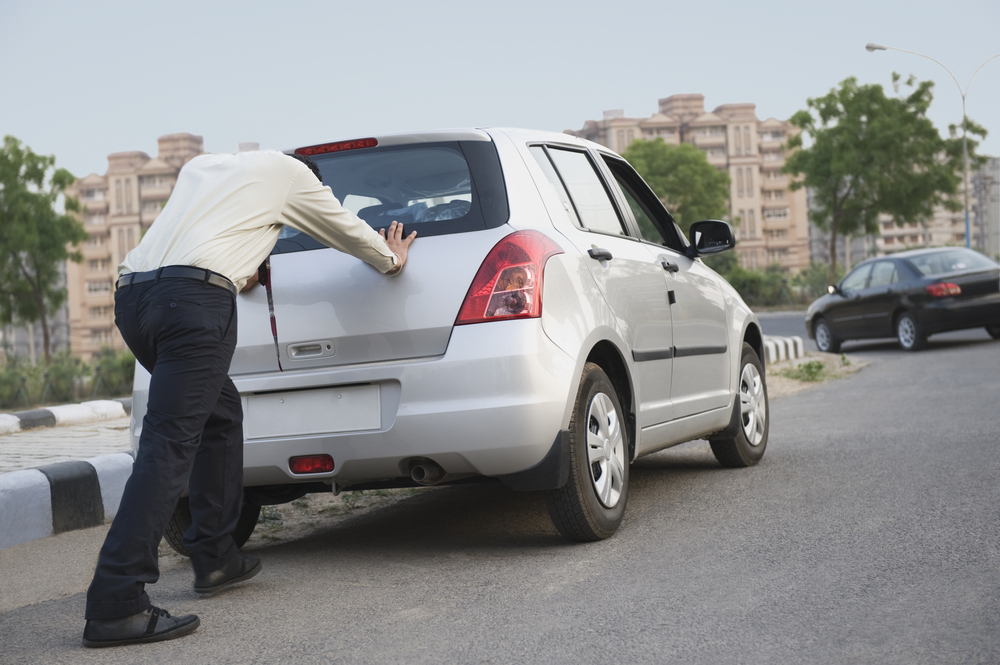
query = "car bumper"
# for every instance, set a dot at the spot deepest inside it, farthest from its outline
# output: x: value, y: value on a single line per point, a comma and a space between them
x: 491, y: 405
x: 957, y: 314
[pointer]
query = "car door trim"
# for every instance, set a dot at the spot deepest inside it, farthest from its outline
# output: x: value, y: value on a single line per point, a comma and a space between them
x: 654, y: 354
x: 698, y: 351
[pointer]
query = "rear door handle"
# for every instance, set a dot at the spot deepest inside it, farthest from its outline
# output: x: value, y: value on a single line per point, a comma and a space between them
x: 670, y: 267
x: 599, y: 254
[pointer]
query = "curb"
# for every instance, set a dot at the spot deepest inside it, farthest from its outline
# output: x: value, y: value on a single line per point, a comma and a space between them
x: 783, y: 348
x: 67, y: 414
x: 42, y: 502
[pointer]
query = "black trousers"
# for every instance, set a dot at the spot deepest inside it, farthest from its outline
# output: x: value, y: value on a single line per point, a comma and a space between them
x: 184, y: 332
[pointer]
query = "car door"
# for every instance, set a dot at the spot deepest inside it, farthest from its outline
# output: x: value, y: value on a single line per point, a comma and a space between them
x: 879, y: 298
x: 702, y: 361
x: 628, y: 276
x: 846, y: 313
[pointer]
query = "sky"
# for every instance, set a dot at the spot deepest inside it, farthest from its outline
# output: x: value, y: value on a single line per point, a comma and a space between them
x: 82, y: 80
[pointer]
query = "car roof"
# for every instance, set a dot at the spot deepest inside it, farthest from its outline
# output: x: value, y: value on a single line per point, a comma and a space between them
x: 925, y: 250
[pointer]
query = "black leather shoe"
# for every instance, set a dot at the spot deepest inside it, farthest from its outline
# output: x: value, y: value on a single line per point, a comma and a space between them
x: 239, y: 569
x: 153, y: 625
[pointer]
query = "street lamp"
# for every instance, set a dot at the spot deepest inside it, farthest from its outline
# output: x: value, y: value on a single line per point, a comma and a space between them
x: 870, y: 47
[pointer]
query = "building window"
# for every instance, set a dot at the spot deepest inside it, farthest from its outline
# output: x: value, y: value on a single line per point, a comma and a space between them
x: 739, y: 182
x: 743, y: 223
x: 128, y: 195
x: 121, y: 244
x: 131, y: 241
x: 118, y: 196
x: 631, y: 137
x: 750, y: 182
x: 737, y: 142
x: 779, y: 213
x: 753, y: 223
x: 621, y: 140
x: 98, y: 287
x: 746, y: 141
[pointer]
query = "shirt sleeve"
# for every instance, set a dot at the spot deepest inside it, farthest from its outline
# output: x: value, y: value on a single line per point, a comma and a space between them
x: 312, y: 208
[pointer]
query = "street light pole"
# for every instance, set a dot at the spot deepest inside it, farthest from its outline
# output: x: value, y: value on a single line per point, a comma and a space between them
x: 870, y: 47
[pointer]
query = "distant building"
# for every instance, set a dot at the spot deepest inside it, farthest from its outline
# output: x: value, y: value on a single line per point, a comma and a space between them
x: 772, y: 220
x: 117, y: 208
x: 986, y: 221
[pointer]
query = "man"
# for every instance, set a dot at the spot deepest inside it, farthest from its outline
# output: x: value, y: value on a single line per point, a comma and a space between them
x: 175, y: 306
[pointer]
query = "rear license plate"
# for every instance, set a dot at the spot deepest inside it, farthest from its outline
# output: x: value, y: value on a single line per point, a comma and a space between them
x: 323, y: 411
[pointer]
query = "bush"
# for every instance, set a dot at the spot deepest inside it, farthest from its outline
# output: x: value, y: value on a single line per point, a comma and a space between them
x: 816, y: 278
x: 113, y: 373
x: 65, y: 379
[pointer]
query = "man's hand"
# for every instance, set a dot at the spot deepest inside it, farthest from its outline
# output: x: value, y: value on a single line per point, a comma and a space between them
x: 250, y: 282
x: 399, y: 245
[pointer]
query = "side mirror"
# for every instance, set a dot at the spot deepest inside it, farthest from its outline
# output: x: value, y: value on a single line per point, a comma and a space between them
x: 711, y: 236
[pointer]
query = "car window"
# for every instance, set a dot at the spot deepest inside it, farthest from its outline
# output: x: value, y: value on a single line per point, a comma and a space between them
x: 553, y: 177
x: 857, y: 279
x: 593, y: 205
x: 654, y: 222
x: 955, y: 260
x: 883, y: 274
x: 436, y: 188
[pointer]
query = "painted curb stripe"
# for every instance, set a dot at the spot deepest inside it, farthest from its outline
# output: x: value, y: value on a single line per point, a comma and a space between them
x: 35, y: 418
x: 76, y: 496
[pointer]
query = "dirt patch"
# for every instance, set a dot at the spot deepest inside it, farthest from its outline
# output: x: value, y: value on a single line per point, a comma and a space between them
x: 288, y: 521
x: 785, y: 377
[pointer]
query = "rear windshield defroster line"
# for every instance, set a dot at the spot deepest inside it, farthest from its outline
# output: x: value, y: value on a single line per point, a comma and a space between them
x: 434, y: 188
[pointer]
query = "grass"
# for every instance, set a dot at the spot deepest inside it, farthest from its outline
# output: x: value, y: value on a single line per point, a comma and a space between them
x: 814, y: 370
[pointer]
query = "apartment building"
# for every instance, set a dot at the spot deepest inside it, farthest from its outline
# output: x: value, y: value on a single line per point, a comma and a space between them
x: 772, y: 223
x: 117, y: 208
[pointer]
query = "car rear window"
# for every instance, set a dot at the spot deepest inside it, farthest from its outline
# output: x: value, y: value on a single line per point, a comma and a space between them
x: 955, y: 260
x: 433, y: 188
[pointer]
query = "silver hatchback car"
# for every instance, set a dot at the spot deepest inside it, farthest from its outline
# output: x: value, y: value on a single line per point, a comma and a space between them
x: 552, y: 325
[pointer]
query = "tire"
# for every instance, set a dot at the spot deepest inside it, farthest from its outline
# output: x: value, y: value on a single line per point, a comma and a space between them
x: 994, y: 331
x: 751, y: 422
x: 181, y: 520
x: 826, y: 341
x: 592, y: 503
x: 910, y: 335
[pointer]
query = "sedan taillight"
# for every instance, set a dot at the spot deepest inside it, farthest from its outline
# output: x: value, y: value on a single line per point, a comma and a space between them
x: 944, y: 289
x: 509, y: 283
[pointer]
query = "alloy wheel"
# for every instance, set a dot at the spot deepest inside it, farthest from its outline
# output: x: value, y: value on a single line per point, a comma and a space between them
x: 907, y: 332
x: 752, y: 405
x: 605, y: 450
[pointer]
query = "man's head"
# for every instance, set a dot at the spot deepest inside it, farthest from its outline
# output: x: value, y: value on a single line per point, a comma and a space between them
x: 308, y: 162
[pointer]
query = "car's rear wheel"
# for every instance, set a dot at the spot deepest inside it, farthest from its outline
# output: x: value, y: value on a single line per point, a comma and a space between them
x: 592, y: 503
x: 910, y: 335
x: 826, y: 341
x: 746, y: 439
x: 994, y: 331
x: 181, y: 520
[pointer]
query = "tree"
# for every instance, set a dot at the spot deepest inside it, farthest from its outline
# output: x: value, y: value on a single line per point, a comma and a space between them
x: 34, y: 235
x: 872, y: 154
x: 680, y: 175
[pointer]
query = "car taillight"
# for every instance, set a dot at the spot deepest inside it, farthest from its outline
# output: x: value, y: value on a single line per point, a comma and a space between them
x: 337, y: 146
x: 944, y: 289
x: 311, y: 464
x: 509, y: 283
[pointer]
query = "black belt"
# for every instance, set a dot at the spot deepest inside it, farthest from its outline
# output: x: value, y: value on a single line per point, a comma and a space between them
x: 185, y: 272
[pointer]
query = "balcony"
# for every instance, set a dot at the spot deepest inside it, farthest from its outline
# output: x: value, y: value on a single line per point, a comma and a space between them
x: 95, y: 252
x: 710, y: 140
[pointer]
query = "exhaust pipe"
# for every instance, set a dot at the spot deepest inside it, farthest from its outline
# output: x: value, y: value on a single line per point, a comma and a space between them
x: 426, y: 472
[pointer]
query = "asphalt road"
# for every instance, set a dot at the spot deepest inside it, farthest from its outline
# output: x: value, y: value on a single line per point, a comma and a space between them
x: 870, y: 533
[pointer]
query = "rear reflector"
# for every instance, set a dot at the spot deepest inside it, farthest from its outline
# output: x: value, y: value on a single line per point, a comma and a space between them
x: 944, y: 289
x: 311, y: 464
x: 509, y: 283
x: 338, y: 146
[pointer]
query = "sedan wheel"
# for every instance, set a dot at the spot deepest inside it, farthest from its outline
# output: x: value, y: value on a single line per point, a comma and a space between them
x: 592, y: 503
x: 909, y: 333
x: 826, y: 341
x: 744, y: 441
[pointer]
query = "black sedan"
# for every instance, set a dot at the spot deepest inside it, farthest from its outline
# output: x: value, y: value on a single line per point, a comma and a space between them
x: 909, y: 295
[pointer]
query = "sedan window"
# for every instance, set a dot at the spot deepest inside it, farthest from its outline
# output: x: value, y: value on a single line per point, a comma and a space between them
x: 953, y: 260
x: 883, y: 274
x: 591, y: 200
x: 653, y: 221
x: 857, y: 279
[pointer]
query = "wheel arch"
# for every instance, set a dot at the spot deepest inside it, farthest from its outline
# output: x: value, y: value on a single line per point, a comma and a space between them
x: 609, y: 358
x: 755, y: 338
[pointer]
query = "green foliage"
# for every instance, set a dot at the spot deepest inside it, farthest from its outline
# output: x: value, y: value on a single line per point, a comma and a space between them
x: 872, y: 154
x: 113, y: 372
x: 814, y: 370
x: 816, y: 278
x: 34, y: 236
x: 690, y: 187
x: 758, y: 288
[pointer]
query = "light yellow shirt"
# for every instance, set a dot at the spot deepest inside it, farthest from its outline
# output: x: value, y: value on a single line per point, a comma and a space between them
x: 226, y: 212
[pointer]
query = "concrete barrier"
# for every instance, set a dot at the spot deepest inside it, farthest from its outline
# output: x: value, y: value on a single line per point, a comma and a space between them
x: 66, y: 414
x: 778, y: 349
x: 37, y: 503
